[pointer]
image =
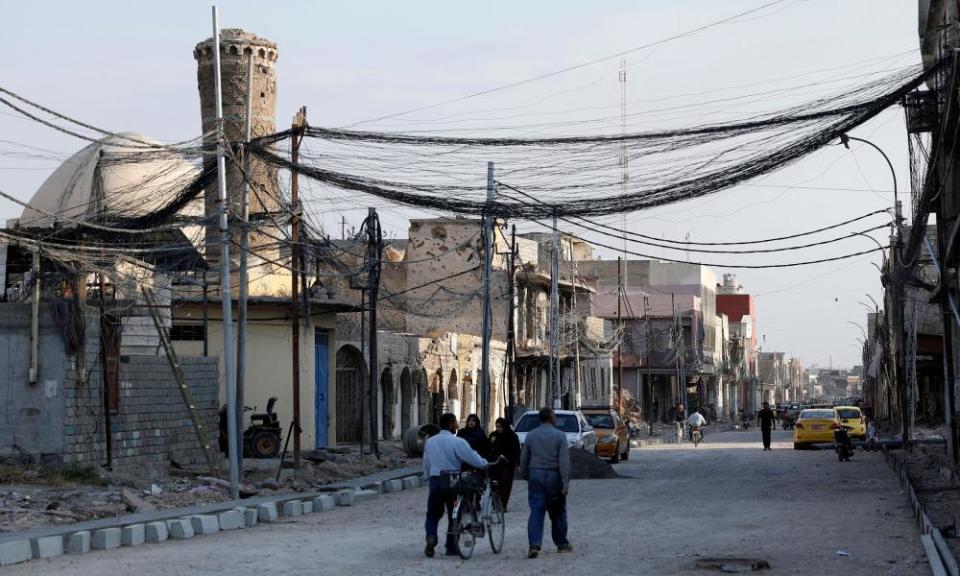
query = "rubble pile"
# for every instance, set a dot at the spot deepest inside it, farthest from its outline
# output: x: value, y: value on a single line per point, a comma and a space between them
x: 585, y: 465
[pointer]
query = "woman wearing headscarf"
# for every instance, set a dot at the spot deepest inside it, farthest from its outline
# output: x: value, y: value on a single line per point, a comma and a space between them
x: 504, y: 442
x: 473, y: 433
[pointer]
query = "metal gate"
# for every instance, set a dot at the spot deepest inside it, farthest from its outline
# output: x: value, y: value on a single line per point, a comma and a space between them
x: 349, y: 373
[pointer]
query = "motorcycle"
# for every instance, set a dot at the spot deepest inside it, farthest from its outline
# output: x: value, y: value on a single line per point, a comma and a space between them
x: 842, y: 443
x: 697, y: 435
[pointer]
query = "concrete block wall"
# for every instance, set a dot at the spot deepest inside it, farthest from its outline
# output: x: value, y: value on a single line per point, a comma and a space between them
x: 152, y: 426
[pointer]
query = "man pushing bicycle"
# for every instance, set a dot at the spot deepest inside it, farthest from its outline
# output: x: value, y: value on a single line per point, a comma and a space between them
x: 443, y: 455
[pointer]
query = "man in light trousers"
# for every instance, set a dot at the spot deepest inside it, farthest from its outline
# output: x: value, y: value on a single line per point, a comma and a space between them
x: 545, y: 464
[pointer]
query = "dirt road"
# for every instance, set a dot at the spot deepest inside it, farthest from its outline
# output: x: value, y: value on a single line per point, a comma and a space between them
x: 674, y: 505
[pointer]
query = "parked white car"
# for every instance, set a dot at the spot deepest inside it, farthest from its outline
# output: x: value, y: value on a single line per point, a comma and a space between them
x: 571, y: 422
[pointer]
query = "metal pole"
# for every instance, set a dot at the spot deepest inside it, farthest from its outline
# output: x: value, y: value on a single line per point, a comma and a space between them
x: 34, y: 375
x: 363, y: 363
x: 206, y: 314
x: 555, y: 317
x: 511, y: 327
x: 295, y: 278
x: 648, y: 341
x: 488, y: 227
x: 576, y: 332
x: 620, y: 326
x: 226, y: 288
x: 244, y: 274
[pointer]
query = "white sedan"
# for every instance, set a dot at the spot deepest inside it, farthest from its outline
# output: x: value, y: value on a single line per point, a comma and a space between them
x: 571, y: 422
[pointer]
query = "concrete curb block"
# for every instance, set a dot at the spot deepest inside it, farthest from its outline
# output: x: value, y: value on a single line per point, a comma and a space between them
x: 133, y: 535
x: 250, y: 516
x: 411, y: 482
x: 391, y: 486
x: 106, y: 539
x: 15, y: 552
x: 204, y: 524
x: 231, y: 520
x: 180, y: 529
x: 46, y: 547
x: 79, y: 542
x: 324, y: 503
x: 267, y: 512
x: 345, y: 498
x: 292, y: 508
x: 156, y: 532
x: 307, y: 506
x: 364, y: 495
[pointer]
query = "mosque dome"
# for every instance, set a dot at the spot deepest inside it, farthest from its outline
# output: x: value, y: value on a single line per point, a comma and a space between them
x: 117, y: 176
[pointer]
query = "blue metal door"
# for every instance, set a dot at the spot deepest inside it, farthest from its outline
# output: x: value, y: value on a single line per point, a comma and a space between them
x: 321, y: 365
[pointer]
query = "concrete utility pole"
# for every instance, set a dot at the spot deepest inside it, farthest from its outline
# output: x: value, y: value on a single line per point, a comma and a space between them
x: 244, y: 263
x: 555, y: 316
x: 226, y: 288
x: 488, y: 246
x: 299, y: 123
x: 648, y: 341
x: 374, y: 245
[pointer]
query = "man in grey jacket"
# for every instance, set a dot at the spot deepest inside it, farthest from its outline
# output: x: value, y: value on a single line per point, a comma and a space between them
x: 545, y: 464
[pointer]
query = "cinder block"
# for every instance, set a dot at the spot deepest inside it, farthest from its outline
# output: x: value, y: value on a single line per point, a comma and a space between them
x: 47, y: 547
x: 180, y: 529
x: 15, y: 552
x: 374, y: 487
x: 133, y: 535
x: 267, y: 512
x: 204, y: 524
x: 79, y: 542
x: 307, y: 506
x: 106, y: 539
x: 345, y: 498
x: 250, y: 517
x: 323, y: 503
x: 292, y: 508
x: 230, y: 520
x: 156, y: 532
x: 364, y: 495
x: 391, y: 486
x: 411, y: 482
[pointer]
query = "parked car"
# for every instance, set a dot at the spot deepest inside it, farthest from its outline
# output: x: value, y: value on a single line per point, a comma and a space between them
x: 853, y: 417
x: 571, y: 422
x: 613, y: 434
x: 813, y: 426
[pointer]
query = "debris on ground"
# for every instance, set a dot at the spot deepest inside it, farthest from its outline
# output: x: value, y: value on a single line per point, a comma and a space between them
x: 585, y: 465
x: 32, y: 497
x: 733, y: 565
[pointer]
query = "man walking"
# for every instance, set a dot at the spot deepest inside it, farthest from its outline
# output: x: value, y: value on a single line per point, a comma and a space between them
x: 545, y: 464
x: 442, y: 456
x: 766, y: 418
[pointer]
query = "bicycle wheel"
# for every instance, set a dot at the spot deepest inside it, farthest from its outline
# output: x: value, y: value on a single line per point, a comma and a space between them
x: 466, y: 540
x: 496, y: 528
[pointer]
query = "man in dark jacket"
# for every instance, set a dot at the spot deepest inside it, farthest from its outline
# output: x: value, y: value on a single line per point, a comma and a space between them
x: 545, y: 463
x: 766, y: 418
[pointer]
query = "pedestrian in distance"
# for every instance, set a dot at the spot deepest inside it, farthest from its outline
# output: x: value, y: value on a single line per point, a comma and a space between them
x: 443, y: 456
x: 505, y: 442
x: 872, y: 439
x: 545, y: 464
x: 680, y: 416
x: 473, y: 433
x: 766, y: 419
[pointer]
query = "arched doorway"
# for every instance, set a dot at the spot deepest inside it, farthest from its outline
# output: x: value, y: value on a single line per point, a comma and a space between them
x: 423, y: 398
x: 387, y: 422
x: 350, y: 371
x: 408, y: 403
x: 453, y: 393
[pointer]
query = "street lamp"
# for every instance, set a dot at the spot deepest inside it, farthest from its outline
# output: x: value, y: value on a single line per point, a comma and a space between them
x: 845, y: 140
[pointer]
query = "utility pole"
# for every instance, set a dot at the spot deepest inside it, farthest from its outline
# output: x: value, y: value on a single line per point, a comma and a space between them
x: 488, y: 246
x: 622, y: 334
x: 226, y: 288
x: 676, y: 343
x: 244, y: 263
x: 511, y: 327
x: 555, y: 316
x: 299, y: 123
x: 576, y: 331
x: 896, y: 339
x: 648, y: 341
x: 374, y: 245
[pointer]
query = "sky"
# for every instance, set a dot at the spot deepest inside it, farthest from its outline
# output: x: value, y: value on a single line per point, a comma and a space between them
x: 128, y: 66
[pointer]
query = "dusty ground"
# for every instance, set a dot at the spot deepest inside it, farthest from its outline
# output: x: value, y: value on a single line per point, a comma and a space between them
x: 31, y: 498
x: 727, y: 497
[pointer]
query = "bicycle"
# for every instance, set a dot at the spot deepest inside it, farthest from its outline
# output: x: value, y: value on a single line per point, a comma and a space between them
x: 476, y: 519
x: 697, y: 435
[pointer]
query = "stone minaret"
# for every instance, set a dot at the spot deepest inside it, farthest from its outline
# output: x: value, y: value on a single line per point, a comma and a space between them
x: 235, y: 48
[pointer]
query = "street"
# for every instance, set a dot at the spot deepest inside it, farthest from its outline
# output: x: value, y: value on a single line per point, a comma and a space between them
x: 797, y: 510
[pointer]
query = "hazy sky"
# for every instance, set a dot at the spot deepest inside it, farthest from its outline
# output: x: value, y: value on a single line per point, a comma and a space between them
x: 129, y: 66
